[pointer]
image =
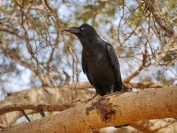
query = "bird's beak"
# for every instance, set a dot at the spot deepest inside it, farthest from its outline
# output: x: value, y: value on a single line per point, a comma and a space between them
x: 74, y: 30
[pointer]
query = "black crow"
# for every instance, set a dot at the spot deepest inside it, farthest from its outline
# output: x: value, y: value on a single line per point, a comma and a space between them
x: 99, y: 60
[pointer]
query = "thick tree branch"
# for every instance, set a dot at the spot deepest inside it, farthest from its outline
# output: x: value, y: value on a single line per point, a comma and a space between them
x: 85, y: 85
x: 146, y: 85
x: 36, y: 107
x: 110, y: 110
x: 35, y: 96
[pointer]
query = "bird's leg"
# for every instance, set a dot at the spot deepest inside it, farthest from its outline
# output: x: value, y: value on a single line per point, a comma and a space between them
x: 92, y: 97
x: 111, y: 89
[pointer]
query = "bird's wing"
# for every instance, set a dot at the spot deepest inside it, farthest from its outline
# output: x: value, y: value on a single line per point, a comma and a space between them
x: 85, y: 69
x: 115, y: 62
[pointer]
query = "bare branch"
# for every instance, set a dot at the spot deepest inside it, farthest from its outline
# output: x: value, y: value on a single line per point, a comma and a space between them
x: 67, y: 79
x: 127, y: 80
x: 159, y: 20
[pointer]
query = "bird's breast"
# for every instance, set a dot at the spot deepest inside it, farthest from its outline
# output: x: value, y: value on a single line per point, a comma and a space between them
x: 101, y: 71
x: 97, y: 57
x: 95, y: 53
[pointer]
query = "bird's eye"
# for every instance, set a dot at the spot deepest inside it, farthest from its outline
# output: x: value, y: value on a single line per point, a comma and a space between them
x: 82, y: 28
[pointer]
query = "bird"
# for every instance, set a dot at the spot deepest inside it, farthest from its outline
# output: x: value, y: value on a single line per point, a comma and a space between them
x: 99, y: 60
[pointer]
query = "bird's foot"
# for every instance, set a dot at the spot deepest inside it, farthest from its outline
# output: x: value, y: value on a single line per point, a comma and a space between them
x: 107, y: 93
x: 88, y: 100
x: 91, y: 98
x: 111, y: 91
x: 126, y: 88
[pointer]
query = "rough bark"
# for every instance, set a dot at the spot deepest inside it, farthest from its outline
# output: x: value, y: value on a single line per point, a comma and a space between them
x: 110, y: 110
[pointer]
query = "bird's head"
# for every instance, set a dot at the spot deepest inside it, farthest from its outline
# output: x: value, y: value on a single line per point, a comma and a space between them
x: 85, y: 30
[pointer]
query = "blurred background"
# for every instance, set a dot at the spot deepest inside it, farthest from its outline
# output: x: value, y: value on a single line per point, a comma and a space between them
x: 35, y: 52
